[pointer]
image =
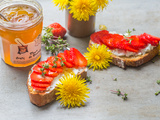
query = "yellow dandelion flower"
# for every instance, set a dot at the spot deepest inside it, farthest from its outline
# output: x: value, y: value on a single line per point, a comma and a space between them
x: 101, y: 3
x: 61, y: 3
x: 82, y: 9
x: 72, y: 91
x: 98, y: 57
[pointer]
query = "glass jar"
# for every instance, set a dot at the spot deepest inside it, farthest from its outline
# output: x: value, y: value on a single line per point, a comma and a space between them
x: 20, y: 38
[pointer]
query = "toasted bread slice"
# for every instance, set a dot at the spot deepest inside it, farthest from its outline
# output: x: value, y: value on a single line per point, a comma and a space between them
x: 136, y: 61
x: 42, y: 98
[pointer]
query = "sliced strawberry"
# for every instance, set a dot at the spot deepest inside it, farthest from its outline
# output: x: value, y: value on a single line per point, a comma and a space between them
x: 47, y: 72
x: 42, y: 63
x: 37, y: 69
x: 136, y: 42
x: 108, y: 41
x: 79, y: 59
x: 117, y: 40
x: 68, y: 56
x: 97, y: 36
x: 39, y: 88
x: 69, y: 65
x: 51, y: 73
x: 125, y: 45
x: 149, y: 39
x: 37, y: 84
x: 39, y: 78
x: 58, y: 70
x: 51, y: 60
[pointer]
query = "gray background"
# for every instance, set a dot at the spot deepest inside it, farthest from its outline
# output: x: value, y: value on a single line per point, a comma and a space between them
x: 139, y: 83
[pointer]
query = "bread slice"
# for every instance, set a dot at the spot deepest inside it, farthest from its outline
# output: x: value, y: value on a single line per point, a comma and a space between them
x: 42, y: 98
x: 136, y: 61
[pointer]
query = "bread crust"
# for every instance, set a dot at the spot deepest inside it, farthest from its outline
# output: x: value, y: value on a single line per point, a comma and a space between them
x: 136, y: 61
x: 42, y: 98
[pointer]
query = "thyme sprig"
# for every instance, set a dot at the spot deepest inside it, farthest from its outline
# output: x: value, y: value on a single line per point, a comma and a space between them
x: 43, y: 73
x: 158, y: 82
x: 129, y: 34
x: 118, y: 92
x: 53, y: 43
x: 158, y: 92
x: 88, y: 79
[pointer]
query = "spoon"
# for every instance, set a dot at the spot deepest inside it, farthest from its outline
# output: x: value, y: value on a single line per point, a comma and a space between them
x: 4, y: 17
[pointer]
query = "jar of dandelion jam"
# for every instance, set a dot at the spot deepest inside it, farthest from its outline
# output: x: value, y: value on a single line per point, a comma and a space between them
x: 20, y: 37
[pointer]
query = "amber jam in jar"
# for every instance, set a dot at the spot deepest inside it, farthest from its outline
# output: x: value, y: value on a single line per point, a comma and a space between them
x: 20, y: 38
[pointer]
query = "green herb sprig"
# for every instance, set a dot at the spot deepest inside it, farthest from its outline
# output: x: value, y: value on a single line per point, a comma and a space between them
x: 158, y: 82
x: 53, y: 43
x: 43, y: 73
x: 118, y: 92
x: 158, y: 92
x: 88, y: 79
x: 129, y: 34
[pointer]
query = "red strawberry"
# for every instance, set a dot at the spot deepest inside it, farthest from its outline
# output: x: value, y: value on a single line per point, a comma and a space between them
x: 37, y: 84
x: 52, y: 60
x: 51, y: 73
x: 39, y: 78
x: 69, y: 56
x: 117, y: 40
x: 39, y: 88
x: 42, y: 63
x: 149, y: 39
x: 58, y: 70
x: 97, y: 36
x: 38, y: 70
x: 136, y: 42
x: 79, y: 59
x: 69, y: 65
x: 108, y: 41
x: 57, y: 30
x: 125, y: 45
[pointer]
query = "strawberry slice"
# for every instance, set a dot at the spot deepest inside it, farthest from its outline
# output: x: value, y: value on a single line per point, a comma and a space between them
x: 149, y: 39
x: 125, y: 45
x: 108, y: 41
x: 51, y: 60
x: 42, y: 63
x: 39, y: 88
x: 117, y: 40
x: 47, y: 72
x: 97, y: 36
x: 68, y: 56
x: 136, y: 42
x: 51, y: 73
x: 37, y: 84
x: 79, y: 59
x: 37, y: 69
x: 58, y: 70
x: 69, y: 65
x: 39, y: 78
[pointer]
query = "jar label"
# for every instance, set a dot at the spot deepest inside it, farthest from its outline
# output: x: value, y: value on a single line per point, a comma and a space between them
x: 22, y: 53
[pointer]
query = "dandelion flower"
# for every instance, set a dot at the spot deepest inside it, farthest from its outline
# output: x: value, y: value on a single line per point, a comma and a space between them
x: 98, y: 57
x: 62, y: 3
x: 82, y: 9
x: 72, y: 91
x: 101, y: 3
